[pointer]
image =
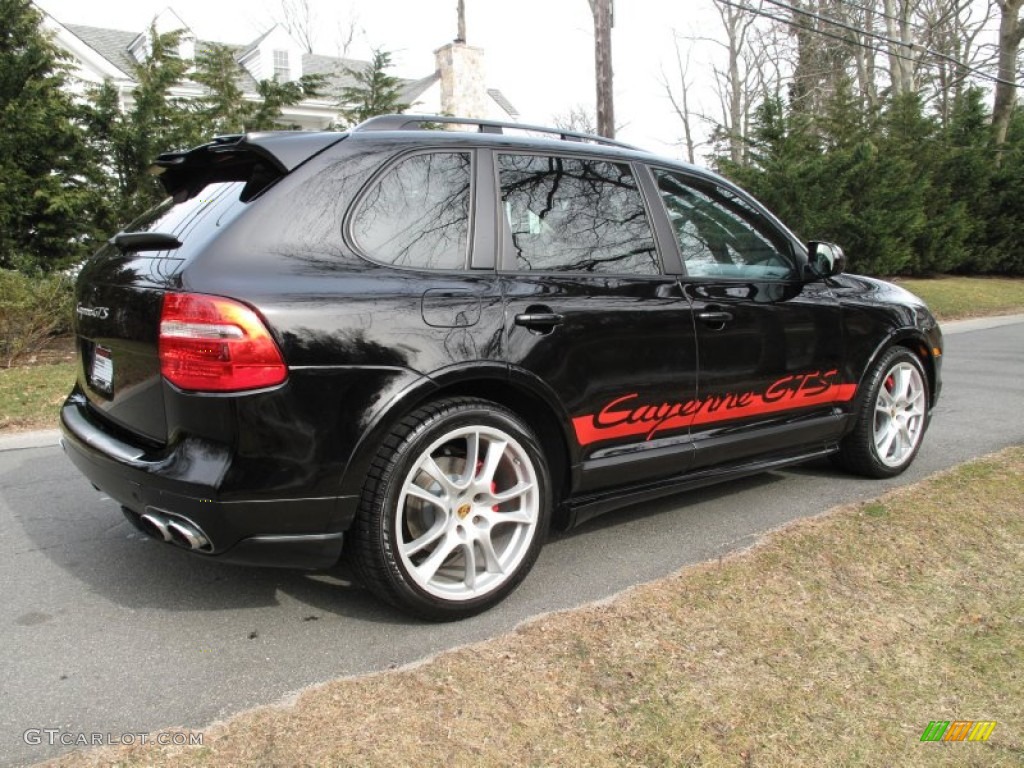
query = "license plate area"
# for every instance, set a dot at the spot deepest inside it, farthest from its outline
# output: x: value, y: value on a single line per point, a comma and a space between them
x: 102, y: 374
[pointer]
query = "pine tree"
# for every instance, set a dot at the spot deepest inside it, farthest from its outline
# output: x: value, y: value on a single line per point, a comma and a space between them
x: 957, y: 209
x: 49, y: 204
x: 154, y: 122
x: 1004, y: 235
x: 274, y: 95
x: 375, y: 91
x: 223, y: 108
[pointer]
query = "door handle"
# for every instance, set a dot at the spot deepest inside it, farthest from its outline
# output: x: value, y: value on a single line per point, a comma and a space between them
x: 715, y: 317
x: 539, y: 321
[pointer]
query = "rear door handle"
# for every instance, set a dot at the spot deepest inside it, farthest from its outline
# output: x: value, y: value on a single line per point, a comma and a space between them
x: 539, y: 321
x: 719, y: 317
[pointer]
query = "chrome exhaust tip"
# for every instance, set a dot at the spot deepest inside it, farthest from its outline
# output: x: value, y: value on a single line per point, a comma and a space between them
x: 155, y: 525
x: 174, y: 529
x: 187, y: 535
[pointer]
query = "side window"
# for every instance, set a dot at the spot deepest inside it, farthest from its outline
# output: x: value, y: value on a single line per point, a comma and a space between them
x: 720, y: 234
x: 417, y: 213
x: 572, y: 215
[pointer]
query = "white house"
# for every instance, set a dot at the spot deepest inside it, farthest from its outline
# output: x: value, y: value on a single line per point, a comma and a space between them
x: 457, y: 86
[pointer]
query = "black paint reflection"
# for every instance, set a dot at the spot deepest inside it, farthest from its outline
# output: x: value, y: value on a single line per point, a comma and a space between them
x: 349, y: 345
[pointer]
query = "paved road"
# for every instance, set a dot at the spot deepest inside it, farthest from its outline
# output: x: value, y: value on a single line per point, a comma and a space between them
x: 104, y: 631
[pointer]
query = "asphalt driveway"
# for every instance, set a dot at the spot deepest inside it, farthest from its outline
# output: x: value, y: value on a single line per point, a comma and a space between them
x: 103, y: 631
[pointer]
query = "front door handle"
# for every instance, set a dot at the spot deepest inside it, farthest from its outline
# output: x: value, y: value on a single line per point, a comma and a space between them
x: 539, y: 321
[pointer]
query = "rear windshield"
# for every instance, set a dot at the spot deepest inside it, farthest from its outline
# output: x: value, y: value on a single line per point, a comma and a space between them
x: 208, y: 208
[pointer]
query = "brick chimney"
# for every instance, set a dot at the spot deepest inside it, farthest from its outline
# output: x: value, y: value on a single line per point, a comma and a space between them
x: 463, y: 80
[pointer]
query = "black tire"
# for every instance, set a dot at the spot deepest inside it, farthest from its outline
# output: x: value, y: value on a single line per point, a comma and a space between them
x: 407, y: 500
x: 878, y: 414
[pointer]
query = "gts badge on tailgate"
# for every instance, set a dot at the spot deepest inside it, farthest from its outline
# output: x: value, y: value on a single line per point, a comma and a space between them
x: 101, y: 313
x: 102, y: 369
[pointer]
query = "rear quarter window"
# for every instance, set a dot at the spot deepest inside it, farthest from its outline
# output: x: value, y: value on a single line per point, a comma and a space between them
x: 416, y: 214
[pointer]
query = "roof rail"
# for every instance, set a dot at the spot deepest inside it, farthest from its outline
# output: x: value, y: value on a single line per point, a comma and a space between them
x: 414, y: 122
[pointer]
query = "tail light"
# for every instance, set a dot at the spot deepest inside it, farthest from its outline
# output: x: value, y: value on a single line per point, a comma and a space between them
x: 212, y: 344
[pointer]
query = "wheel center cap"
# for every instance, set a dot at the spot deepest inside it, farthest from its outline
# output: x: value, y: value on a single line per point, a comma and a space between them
x: 462, y: 511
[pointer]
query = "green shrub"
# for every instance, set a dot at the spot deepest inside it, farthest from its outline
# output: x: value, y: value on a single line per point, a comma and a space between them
x: 32, y: 309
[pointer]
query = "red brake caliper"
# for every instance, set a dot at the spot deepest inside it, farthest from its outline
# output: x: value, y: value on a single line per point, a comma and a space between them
x: 494, y: 484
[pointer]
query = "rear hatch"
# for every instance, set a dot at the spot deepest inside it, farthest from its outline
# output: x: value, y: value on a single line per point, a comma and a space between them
x: 120, y: 291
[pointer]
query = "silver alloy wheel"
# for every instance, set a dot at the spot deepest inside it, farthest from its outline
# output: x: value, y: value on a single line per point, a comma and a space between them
x: 899, y: 414
x: 467, y: 513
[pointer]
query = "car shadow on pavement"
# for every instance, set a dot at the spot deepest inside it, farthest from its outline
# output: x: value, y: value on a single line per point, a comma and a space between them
x: 47, y: 509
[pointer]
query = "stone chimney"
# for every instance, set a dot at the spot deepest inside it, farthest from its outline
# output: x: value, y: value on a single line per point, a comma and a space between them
x: 463, y: 83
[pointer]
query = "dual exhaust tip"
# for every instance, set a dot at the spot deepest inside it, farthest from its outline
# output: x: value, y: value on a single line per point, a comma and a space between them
x: 175, y: 530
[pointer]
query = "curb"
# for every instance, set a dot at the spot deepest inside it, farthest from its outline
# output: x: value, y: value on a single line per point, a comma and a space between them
x: 50, y: 437
x: 45, y: 438
x: 979, y: 324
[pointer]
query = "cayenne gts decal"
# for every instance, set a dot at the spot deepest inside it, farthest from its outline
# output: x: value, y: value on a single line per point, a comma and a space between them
x: 626, y: 415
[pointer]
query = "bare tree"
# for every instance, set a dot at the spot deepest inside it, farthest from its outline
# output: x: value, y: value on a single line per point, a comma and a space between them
x: 733, y: 82
x: 681, y: 104
x: 903, y: 54
x: 865, y: 19
x: 831, y: 48
x: 951, y: 29
x: 347, y: 32
x: 298, y: 17
x: 750, y: 69
x: 1011, y: 31
x: 579, y: 118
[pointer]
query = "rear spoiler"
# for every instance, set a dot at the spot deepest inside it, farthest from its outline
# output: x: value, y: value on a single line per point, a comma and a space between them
x: 255, y: 158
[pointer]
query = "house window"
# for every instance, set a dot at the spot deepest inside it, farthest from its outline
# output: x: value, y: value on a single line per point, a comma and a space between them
x: 282, y: 72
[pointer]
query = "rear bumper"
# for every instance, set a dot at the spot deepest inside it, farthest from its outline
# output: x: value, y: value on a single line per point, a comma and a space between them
x: 182, y: 482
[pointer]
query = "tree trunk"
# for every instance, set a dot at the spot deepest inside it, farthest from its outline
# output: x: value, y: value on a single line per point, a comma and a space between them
x: 864, y: 59
x: 1011, y: 30
x: 901, y: 52
x: 603, y: 66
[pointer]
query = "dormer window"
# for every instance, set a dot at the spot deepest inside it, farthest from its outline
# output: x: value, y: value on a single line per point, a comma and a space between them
x: 282, y: 70
x: 140, y: 48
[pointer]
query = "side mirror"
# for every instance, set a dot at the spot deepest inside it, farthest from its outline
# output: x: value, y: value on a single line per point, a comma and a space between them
x: 826, y: 259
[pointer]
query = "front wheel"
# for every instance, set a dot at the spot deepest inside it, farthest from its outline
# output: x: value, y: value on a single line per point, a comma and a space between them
x: 891, y: 417
x: 454, y: 511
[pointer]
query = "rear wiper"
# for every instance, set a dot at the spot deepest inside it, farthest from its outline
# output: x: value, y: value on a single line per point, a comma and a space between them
x: 145, y: 241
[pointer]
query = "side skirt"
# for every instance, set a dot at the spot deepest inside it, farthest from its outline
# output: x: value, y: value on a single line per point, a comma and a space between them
x: 584, y: 508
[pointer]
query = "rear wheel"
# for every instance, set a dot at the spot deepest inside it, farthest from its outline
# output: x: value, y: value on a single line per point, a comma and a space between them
x: 891, y: 417
x: 454, y: 511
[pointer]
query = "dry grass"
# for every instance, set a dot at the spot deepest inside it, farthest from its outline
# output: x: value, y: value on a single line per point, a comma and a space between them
x: 31, y: 395
x: 951, y: 298
x: 834, y: 643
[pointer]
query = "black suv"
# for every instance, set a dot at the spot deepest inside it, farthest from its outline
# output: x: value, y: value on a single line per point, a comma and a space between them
x: 421, y: 348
